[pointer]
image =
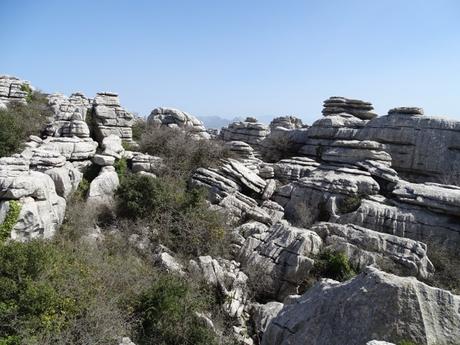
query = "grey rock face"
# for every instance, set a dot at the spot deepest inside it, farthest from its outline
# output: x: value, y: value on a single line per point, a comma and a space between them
x: 292, y: 169
x: 367, y: 247
x: 174, y: 118
x: 288, y: 122
x: 111, y: 118
x: 102, y: 188
x: 422, y: 147
x: 11, y: 90
x: 73, y: 149
x: 264, y: 313
x: 250, y: 132
x: 278, y: 257
x: 69, y: 116
x: 357, y: 108
x: 372, y: 305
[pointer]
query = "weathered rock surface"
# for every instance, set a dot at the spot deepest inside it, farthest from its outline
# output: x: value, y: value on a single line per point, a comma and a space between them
x: 111, y: 118
x: 287, y: 122
x: 103, y: 187
x: 278, y: 257
x: 366, y: 247
x: 372, y: 305
x: 69, y: 115
x: 355, y: 107
x: 174, y: 118
x: 11, y: 90
x: 248, y: 131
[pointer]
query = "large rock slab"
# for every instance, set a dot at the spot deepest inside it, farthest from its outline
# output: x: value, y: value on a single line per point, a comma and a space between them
x: 372, y: 305
x: 249, y: 131
x: 366, y: 247
x: 174, y: 118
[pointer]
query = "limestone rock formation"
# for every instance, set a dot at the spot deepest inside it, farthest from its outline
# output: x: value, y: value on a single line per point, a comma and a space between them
x: 69, y: 116
x: 102, y: 188
x: 355, y: 107
x: 12, y: 90
x: 287, y: 122
x: 174, y: 118
x: 249, y: 131
x: 372, y: 305
x: 111, y: 118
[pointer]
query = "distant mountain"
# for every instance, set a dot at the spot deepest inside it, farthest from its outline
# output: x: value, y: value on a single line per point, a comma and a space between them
x: 216, y: 122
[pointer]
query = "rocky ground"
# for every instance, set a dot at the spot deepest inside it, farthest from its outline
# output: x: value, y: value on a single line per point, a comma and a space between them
x: 343, y: 232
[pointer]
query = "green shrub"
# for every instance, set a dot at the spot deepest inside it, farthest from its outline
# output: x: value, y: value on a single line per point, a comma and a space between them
x: 28, y: 89
x: 406, y: 342
x: 167, y: 314
x: 121, y: 167
x: 333, y: 265
x: 181, y: 152
x: 349, y: 204
x: 10, y: 220
x: 19, y: 121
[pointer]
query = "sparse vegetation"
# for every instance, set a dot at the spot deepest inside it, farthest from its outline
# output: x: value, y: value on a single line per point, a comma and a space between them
x: 10, y: 220
x: 349, y: 204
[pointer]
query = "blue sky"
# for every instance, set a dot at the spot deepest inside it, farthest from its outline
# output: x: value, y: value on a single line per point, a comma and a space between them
x: 238, y: 58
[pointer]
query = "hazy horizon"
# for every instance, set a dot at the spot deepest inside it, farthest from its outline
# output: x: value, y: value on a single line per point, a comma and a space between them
x: 239, y: 58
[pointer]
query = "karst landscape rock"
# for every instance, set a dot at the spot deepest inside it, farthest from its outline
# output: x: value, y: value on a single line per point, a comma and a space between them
x: 377, y: 195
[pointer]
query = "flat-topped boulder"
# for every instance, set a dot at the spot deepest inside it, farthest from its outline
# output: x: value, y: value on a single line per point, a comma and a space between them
x: 175, y: 118
x: 287, y: 122
x: 373, y: 305
x: 406, y: 111
x: 357, y: 108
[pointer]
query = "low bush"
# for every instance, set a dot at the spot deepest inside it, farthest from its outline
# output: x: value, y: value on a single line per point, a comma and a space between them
x: 167, y: 314
x: 333, y: 265
x: 10, y: 220
x: 182, y: 153
x: 349, y: 204
x: 19, y: 121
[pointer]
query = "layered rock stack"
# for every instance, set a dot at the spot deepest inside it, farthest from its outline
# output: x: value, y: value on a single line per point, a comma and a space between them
x: 174, y: 118
x: 111, y: 118
x: 249, y: 131
x: 12, y: 89
x: 339, y: 105
x: 287, y: 122
x: 69, y: 115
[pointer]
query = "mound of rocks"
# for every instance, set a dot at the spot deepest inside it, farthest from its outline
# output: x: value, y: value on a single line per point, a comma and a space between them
x: 69, y: 115
x: 372, y: 305
x: 174, y: 118
x: 249, y: 131
x: 111, y: 118
x: 355, y: 107
x: 12, y: 90
x: 287, y: 122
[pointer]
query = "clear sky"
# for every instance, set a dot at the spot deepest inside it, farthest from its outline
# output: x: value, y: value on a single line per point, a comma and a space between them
x: 239, y: 57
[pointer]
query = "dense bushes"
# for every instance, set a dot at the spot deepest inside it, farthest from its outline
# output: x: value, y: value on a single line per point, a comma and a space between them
x: 181, y: 152
x: 21, y: 120
x: 181, y: 216
x: 167, y: 314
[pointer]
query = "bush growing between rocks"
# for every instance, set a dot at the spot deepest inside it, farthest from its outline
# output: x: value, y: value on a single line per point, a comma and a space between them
x: 333, y: 265
x: 349, y: 204
x: 19, y: 121
x: 167, y: 314
x: 182, y: 153
x: 185, y: 223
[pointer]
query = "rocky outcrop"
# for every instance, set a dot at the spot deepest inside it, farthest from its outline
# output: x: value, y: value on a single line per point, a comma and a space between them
x: 279, y: 257
x: 338, y: 105
x: 423, y: 148
x: 13, y: 89
x: 249, y: 131
x: 372, y: 305
x: 102, y: 188
x: 69, y: 116
x: 174, y: 118
x: 110, y: 118
x: 367, y: 247
x: 41, y: 208
x: 287, y: 122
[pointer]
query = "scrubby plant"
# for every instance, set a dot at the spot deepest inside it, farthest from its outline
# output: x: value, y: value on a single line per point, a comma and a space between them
x: 121, y: 167
x: 28, y: 89
x: 11, y: 218
x: 349, y: 204
x: 19, y: 121
x: 167, y: 314
x: 333, y: 265
x: 182, y: 153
